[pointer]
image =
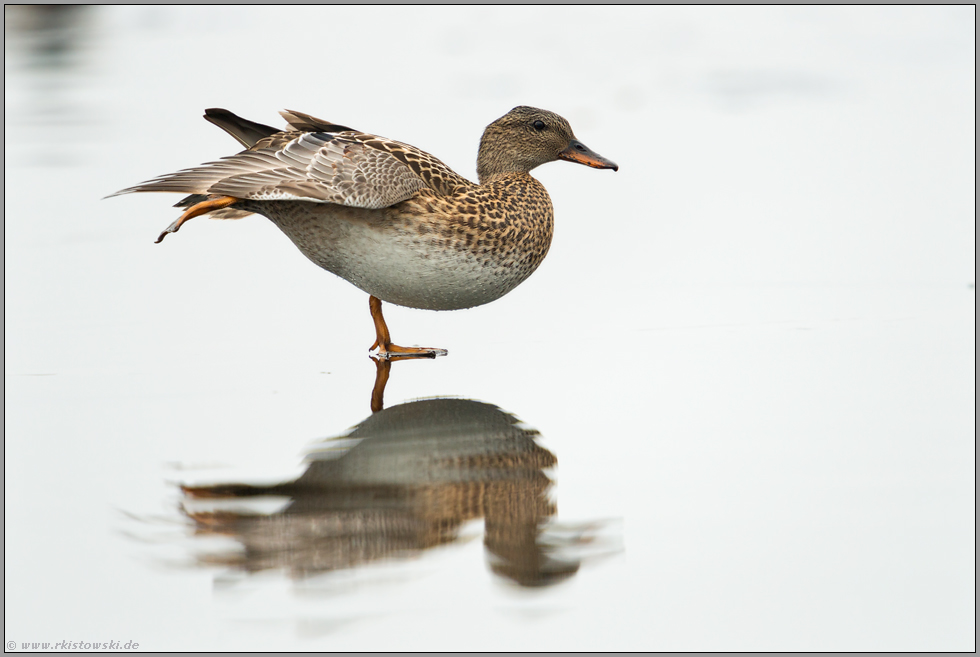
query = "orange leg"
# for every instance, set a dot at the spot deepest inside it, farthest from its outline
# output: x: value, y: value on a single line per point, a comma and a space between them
x: 197, y: 210
x: 389, y: 351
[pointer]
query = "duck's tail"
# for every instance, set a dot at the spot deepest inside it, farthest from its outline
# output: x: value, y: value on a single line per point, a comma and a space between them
x: 248, y: 133
x: 196, y: 180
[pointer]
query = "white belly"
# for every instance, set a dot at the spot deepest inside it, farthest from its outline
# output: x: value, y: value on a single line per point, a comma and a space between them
x: 400, y: 266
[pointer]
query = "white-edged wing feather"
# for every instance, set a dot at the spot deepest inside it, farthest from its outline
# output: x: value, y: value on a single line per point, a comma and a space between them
x: 301, y: 166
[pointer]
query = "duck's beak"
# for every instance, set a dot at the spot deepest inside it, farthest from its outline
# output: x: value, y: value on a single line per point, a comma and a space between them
x: 579, y: 152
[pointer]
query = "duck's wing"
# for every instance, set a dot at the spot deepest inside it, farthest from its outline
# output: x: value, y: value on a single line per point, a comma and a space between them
x: 307, y: 166
x: 247, y: 133
x: 320, y: 162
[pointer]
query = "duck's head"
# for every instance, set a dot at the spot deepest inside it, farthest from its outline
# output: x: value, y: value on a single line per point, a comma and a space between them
x: 527, y: 137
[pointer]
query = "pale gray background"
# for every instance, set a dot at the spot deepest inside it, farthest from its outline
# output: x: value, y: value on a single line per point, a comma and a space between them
x: 751, y: 349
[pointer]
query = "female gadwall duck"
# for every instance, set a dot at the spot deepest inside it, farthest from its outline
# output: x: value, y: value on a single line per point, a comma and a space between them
x: 388, y: 217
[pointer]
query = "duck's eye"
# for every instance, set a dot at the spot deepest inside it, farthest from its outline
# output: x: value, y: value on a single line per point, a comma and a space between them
x: 538, y: 125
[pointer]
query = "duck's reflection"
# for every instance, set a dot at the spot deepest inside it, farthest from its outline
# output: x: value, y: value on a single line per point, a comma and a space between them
x: 415, y: 474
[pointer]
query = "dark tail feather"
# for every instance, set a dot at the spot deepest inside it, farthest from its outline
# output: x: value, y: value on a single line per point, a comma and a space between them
x: 300, y: 121
x: 246, y: 132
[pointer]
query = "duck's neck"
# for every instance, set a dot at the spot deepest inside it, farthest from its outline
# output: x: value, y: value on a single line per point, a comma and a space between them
x: 498, y: 157
x: 486, y: 179
x: 487, y: 169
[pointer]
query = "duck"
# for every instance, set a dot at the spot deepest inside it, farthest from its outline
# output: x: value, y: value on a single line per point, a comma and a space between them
x: 387, y: 217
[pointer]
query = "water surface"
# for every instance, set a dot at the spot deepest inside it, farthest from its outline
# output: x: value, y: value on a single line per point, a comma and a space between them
x: 733, y: 410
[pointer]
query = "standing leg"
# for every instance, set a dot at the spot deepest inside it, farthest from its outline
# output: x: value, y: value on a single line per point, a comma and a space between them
x: 383, y: 344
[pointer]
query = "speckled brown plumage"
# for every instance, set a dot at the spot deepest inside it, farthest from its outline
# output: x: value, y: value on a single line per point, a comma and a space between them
x: 388, y: 217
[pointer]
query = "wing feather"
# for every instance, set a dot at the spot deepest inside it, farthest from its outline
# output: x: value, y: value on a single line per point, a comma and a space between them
x: 319, y: 167
x: 312, y: 160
